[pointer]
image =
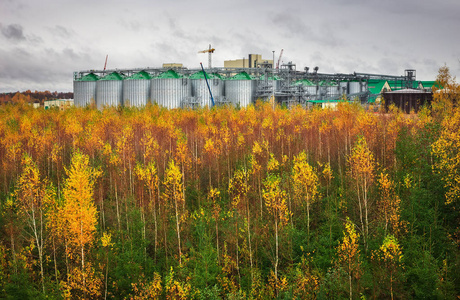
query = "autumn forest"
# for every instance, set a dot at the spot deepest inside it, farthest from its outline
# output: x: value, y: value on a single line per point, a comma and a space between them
x: 260, y: 202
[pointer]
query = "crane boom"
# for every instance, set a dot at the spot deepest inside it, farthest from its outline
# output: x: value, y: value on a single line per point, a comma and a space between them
x: 209, y: 51
x: 105, y: 65
x: 279, y: 59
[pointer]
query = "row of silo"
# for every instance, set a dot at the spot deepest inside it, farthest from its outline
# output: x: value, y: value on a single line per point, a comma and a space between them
x: 169, y: 89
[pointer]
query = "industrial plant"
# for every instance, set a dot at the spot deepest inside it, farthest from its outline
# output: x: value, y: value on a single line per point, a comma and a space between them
x: 239, y: 82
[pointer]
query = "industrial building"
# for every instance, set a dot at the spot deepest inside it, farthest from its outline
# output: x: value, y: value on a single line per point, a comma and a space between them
x: 239, y: 82
x: 408, y: 100
x: 252, y: 61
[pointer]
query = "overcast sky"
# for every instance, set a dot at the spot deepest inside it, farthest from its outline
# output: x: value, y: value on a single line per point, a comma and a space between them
x: 42, y: 42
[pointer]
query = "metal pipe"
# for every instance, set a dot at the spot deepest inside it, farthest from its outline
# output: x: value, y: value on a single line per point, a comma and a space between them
x: 207, y: 83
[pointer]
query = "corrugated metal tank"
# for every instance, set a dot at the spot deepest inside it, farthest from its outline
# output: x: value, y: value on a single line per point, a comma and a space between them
x: 278, y: 81
x: 109, y: 90
x: 333, y: 90
x: 136, y: 89
x: 170, y: 89
x: 240, y: 89
x: 343, y: 85
x: 308, y: 86
x: 84, y: 90
x: 200, y: 88
x: 354, y: 87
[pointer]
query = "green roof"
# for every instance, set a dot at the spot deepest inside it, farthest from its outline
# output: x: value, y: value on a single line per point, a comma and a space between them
x: 276, y: 77
x: 89, y: 77
x: 375, y: 86
x: 430, y: 84
x: 113, y: 76
x: 327, y: 83
x: 200, y: 75
x: 241, y: 76
x: 217, y: 75
x: 140, y: 75
x: 170, y: 74
x: 304, y: 82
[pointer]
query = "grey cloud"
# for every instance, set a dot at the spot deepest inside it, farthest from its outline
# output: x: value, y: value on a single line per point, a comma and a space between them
x: 322, y: 34
x: 46, y: 69
x: 62, y: 32
x: 13, y: 32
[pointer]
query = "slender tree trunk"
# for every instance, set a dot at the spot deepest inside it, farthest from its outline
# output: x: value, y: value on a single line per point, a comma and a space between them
x: 55, y: 262
x: 360, y: 211
x: 178, y: 229
x: 83, y: 271
x: 308, y: 219
x: 152, y: 201
x: 351, y: 291
x: 276, y: 253
x: 366, y: 212
x: 106, y: 275
x: 143, y: 233
x: 217, y: 238
x: 118, y: 207
x: 249, y: 242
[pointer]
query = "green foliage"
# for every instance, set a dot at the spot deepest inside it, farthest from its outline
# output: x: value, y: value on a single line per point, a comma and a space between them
x: 250, y: 203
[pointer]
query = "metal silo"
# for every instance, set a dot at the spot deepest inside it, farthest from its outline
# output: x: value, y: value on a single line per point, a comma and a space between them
x: 354, y: 87
x: 343, y: 87
x: 136, y: 89
x: 84, y: 90
x: 240, y: 89
x: 270, y: 78
x: 333, y: 90
x: 200, y: 88
x: 109, y: 90
x: 170, y: 89
x: 309, y: 88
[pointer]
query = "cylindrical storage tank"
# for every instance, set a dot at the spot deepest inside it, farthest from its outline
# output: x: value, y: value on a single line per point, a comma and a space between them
x: 136, y: 89
x: 354, y: 87
x: 240, y: 89
x: 277, y: 79
x: 333, y: 91
x: 109, y: 90
x: 343, y: 87
x: 308, y: 86
x: 84, y: 90
x: 169, y: 89
x: 200, y: 88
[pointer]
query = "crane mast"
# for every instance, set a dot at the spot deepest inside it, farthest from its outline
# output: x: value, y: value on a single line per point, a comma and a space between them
x: 209, y: 51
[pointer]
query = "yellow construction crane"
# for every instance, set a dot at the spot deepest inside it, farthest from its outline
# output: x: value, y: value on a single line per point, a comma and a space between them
x: 209, y: 51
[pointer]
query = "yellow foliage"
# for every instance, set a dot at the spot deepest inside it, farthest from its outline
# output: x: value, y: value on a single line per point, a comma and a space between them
x: 238, y: 186
x: 304, y: 178
x: 106, y: 240
x: 275, y: 199
x: 347, y: 251
x: 84, y: 284
x: 447, y: 150
x: 79, y: 212
x: 147, y: 289
x: 176, y: 289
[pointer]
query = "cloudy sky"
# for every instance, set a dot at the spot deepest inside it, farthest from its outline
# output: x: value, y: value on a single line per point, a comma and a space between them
x: 42, y: 42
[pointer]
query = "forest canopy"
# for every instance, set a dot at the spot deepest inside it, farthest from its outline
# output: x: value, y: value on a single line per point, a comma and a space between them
x: 257, y: 203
